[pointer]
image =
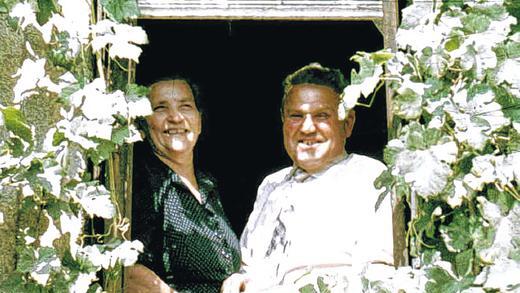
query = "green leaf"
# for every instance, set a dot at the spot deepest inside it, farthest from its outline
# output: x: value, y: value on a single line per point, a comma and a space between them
x: 510, y: 104
x: 119, y: 10
x: 457, y: 235
x: 414, y: 137
x: 13, y: 283
x: 45, y: 10
x: 494, y: 12
x: 513, y: 7
x: 324, y: 288
x: 407, y: 105
x: 503, y: 199
x: 366, y: 68
x: 432, y: 136
x: 26, y: 259
x: 120, y: 134
x: 7, y: 5
x: 447, y: 4
x: 102, y: 152
x: 57, y: 138
x: 464, y: 262
x: 15, y: 122
x: 381, y: 57
x: 453, y: 43
x: 55, y: 207
x: 135, y: 91
x: 441, y: 281
x: 475, y: 23
x: 16, y: 146
x: 309, y: 288
x: 385, y: 180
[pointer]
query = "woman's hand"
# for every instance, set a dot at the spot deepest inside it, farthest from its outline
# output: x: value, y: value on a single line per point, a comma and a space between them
x: 235, y: 283
x: 141, y: 279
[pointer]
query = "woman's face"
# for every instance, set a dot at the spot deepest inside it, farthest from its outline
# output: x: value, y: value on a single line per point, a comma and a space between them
x: 175, y: 124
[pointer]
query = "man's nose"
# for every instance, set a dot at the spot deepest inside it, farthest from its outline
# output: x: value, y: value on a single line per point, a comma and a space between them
x: 308, y: 124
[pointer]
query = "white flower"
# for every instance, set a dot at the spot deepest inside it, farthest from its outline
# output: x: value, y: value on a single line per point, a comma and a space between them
x: 29, y: 74
x: 134, y: 136
x: 508, y: 72
x: 95, y: 200
x: 74, y: 131
x: 120, y: 37
x: 70, y: 223
x: 82, y: 283
x: 98, y: 105
x: 490, y: 169
x: 459, y: 193
x: 29, y: 240
x: 350, y: 96
x: 475, y: 118
x: 1, y: 218
x: 426, y: 170
x: 95, y: 88
x: 25, y: 13
x: 52, y: 233
x: 126, y: 253
x: 52, y: 177
x: 92, y: 253
x: 407, y: 83
x: 42, y: 271
x: 139, y: 108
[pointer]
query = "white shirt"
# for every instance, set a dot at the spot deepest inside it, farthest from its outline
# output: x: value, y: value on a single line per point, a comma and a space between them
x: 301, y: 221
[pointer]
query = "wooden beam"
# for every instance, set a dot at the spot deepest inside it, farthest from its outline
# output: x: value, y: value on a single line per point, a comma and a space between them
x: 390, y: 24
x: 262, y: 9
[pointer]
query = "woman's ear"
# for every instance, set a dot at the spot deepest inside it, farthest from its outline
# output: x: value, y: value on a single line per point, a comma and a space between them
x: 349, y: 121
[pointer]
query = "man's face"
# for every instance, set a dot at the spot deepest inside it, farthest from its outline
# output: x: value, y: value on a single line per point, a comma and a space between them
x: 175, y: 123
x: 313, y: 134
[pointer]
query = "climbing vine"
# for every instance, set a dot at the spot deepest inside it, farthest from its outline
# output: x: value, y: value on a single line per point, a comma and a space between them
x: 61, y: 178
x: 455, y: 157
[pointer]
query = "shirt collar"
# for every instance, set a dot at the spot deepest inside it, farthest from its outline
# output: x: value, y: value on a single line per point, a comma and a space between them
x: 300, y: 175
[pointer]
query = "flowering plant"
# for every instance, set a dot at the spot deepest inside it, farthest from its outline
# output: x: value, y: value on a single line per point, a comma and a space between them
x: 455, y: 157
x: 55, y: 173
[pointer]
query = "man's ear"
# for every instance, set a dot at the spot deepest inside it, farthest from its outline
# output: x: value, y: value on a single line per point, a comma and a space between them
x: 350, y: 120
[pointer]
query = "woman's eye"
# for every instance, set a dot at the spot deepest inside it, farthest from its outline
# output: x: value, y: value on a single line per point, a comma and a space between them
x: 186, y: 107
x: 159, y: 108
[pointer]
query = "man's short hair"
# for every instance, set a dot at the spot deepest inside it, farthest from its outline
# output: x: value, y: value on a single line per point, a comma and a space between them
x: 314, y: 73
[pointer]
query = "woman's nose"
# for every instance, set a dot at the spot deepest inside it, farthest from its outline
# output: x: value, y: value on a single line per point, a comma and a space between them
x: 175, y: 116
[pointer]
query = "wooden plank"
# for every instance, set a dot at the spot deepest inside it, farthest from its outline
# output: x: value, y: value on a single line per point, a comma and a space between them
x: 262, y: 9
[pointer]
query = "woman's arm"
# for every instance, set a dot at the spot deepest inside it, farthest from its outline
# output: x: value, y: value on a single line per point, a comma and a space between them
x: 141, y: 279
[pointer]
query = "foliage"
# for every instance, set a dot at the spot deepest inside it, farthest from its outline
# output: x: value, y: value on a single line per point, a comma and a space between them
x: 457, y: 104
x: 53, y: 177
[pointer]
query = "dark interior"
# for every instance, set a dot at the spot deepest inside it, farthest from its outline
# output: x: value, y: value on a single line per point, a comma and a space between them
x: 240, y: 66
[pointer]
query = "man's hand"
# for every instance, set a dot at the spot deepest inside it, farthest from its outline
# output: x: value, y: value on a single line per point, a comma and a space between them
x: 141, y: 279
x: 234, y: 284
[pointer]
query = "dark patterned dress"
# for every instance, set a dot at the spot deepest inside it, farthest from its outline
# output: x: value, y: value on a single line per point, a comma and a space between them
x: 190, y: 245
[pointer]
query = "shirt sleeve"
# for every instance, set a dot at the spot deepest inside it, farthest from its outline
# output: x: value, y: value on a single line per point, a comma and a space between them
x: 376, y: 243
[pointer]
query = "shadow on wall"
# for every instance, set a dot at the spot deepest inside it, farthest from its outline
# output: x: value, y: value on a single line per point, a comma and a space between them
x: 240, y: 66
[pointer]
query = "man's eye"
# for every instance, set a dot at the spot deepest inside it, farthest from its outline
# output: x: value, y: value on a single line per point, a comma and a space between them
x: 186, y: 107
x: 295, y: 116
x: 322, y: 115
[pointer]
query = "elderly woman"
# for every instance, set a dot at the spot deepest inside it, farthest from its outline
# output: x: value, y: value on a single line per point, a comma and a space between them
x: 189, y: 245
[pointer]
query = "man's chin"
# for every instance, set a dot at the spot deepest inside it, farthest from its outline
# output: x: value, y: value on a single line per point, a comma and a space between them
x: 309, y: 163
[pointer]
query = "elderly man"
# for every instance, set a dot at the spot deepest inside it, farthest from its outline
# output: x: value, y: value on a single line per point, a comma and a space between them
x: 317, y: 217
